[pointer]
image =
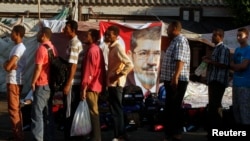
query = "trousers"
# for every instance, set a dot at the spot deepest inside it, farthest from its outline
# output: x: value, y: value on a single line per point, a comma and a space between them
x: 15, y: 114
x: 92, y: 100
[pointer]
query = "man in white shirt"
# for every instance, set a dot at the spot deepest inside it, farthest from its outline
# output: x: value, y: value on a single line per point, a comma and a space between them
x: 15, y: 67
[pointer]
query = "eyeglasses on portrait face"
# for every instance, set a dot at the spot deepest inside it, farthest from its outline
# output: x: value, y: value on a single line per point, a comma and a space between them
x: 144, y: 54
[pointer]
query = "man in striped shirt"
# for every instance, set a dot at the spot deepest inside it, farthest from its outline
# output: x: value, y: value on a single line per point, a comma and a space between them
x: 72, y: 87
x: 217, y: 78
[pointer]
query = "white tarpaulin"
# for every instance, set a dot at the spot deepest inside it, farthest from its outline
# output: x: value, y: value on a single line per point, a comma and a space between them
x: 197, y: 95
x: 32, y: 26
x: 30, y: 41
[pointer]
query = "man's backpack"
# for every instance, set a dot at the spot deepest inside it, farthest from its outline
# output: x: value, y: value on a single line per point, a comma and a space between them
x: 59, y: 71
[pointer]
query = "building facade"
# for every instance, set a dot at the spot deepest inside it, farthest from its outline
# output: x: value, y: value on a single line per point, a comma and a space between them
x: 191, y: 10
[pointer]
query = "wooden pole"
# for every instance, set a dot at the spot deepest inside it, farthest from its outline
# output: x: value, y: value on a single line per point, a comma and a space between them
x: 39, y: 16
x: 79, y: 12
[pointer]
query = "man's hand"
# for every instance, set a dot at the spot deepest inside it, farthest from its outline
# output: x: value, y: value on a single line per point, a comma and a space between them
x: 83, y: 94
x: 66, y: 89
x: 7, y: 68
x: 114, y: 78
x: 33, y: 87
x: 174, y: 82
x: 239, y: 67
x: 11, y: 64
x: 206, y: 59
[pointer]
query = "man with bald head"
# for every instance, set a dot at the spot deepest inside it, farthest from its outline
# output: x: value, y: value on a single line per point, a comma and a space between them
x: 175, y: 69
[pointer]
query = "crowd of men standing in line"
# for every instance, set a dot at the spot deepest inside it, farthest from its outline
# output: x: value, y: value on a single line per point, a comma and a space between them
x: 88, y: 78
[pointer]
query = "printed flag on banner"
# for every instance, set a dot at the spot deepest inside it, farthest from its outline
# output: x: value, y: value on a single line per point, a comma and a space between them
x: 142, y: 43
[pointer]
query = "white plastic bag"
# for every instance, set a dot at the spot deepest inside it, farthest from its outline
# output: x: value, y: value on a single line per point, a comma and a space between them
x: 81, y: 124
x: 201, y: 69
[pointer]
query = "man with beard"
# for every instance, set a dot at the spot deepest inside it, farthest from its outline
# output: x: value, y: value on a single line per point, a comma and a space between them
x: 41, y: 112
x: 145, y: 53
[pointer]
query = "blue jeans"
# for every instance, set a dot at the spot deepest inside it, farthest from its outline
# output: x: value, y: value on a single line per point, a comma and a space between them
x: 42, y: 126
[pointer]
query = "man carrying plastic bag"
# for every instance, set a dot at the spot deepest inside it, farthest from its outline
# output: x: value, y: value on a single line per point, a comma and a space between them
x: 81, y: 124
x: 93, y: 81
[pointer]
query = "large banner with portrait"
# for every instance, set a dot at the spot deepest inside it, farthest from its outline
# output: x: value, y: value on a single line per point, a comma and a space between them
x: 142, y: 43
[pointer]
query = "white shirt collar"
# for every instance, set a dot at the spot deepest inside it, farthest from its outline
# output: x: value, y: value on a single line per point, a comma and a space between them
x: 219, y: 44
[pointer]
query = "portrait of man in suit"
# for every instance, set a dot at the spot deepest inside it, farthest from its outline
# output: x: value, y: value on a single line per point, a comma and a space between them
x: 145, y: 53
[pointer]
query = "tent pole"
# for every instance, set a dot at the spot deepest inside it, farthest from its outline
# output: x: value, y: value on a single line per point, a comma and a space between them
x: 39, y: 16
x: 79, y: 12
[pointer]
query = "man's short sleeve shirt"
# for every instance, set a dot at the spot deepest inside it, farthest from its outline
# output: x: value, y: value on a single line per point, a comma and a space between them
x: 16, y: 76
x: 75, y: 54
x: 178, y: 50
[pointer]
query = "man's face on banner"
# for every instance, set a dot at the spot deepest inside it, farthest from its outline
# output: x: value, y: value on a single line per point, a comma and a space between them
x: 146, y: 59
